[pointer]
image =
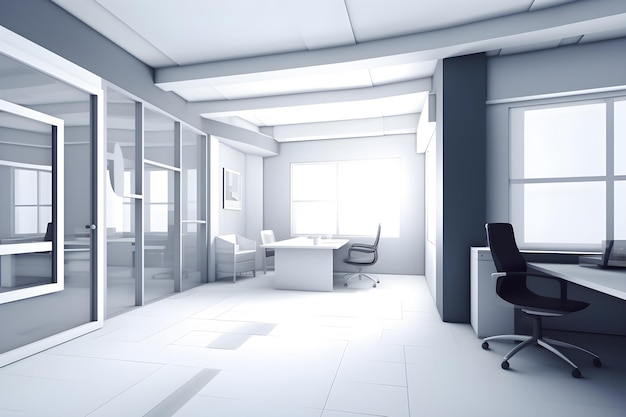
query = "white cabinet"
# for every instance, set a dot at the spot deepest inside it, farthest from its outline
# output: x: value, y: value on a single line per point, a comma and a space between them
x: 490, y: 315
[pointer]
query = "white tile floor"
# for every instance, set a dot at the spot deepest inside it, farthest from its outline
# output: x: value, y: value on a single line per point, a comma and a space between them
x: 247, y: 350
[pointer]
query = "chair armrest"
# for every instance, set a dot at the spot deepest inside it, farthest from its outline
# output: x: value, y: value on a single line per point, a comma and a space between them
x: 245, y: 243
x: 224, y: 246
x: 360, y: 249
x: 562, y: 282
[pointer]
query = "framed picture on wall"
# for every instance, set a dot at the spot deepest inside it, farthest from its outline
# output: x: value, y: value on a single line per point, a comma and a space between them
x: 232, y: 190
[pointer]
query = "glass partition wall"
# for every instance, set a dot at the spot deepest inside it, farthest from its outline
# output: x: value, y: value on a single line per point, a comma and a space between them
x: 49, y: 183
x: 194, y: 209
x: 156, y: 214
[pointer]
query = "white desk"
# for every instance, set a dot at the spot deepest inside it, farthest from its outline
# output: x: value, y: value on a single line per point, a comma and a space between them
x: 607, y: 281
x: 300, y: 264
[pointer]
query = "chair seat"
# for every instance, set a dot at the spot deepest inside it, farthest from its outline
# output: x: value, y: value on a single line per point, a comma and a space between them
x: 359, y: 261
x: 532, y: 301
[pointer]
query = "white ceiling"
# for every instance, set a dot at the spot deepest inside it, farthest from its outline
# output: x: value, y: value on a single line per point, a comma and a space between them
x: 291, y: 68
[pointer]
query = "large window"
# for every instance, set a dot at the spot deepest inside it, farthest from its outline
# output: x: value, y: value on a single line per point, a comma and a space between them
x: 346, y: 198
x: 33, y: 200
x: 567, y: 183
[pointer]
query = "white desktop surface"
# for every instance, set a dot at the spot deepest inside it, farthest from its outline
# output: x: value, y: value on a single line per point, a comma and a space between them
x: 608, y: 281
x: 306, y: 243
x: 300, y: 264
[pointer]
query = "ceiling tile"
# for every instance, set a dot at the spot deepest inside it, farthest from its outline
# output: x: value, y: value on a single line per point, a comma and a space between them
x: 192, y: 31
x: 293, y: 85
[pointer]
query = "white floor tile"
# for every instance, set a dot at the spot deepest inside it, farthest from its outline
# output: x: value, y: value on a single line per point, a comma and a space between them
x: 353, y: 352
x: 355, y: 397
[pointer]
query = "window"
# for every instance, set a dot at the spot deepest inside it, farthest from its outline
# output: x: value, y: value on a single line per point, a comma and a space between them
x: 158, y: 202
x: 346, y: 198
x: 565, y: 192
x: 33, y: 200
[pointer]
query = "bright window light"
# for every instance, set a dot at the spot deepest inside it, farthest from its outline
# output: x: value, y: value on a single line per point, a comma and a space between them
x: 346, y: 198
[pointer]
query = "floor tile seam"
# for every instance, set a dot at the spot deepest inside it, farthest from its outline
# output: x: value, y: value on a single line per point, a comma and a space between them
x: 123, y: 360
x: 32, y: 377
x: 406, y: 377
x: 153, y: 334
x: 332, y: 384
x: 377, y: 384
x: 281, y: 404
x: 128, y: 388
x: 354, y: 412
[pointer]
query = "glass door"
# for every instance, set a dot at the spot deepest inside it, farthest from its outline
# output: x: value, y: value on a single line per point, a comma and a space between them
x: 48, y: 216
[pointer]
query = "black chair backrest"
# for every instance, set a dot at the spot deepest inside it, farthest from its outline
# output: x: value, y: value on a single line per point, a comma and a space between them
x: 504, y: 251
x: 49, y: 232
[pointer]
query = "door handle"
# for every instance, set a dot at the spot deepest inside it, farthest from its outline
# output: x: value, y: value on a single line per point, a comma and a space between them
x: 90, y: 226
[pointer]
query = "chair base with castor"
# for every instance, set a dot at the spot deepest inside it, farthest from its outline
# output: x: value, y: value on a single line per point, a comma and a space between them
x: 545, y: 342
x: 360, y: 275
x: 512, y: 286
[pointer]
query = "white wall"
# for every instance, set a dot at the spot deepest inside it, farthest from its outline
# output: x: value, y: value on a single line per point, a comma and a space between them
x: 248, y: 221
x: 403, y: 255
x: 232, y: 221
x: 254, y: 196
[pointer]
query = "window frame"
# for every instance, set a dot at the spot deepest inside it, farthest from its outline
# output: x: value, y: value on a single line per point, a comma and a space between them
x: 393, y: 230
x: 609, y: 178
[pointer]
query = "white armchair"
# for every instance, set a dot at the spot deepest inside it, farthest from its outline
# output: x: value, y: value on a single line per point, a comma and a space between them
x: 234, y: 255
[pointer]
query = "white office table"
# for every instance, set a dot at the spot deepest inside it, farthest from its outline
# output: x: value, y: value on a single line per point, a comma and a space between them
x: 607, y: 281
x: 300, y: 264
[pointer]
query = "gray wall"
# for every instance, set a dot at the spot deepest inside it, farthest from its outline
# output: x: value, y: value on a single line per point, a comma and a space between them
x: 48, y: 25
x: 403, y: 255
x: 461, y: 92
x: 552, y: 75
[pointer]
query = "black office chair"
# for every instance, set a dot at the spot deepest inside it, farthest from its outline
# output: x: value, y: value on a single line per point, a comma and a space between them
x: 362, y: 254
x: 512, y: 287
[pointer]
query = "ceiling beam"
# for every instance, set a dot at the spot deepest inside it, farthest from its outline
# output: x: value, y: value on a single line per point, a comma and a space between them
x: 379, y: 126
x: 221, y: 108
x: 558, y: 22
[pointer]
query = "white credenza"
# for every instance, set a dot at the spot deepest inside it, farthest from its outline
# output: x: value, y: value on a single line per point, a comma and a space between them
x: 490, y: 315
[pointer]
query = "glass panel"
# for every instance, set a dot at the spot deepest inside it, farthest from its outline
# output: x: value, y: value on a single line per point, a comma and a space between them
x: 159, y: 234
x: 45, y: 217
x: 313, y: 182
x: 37, y: 318
x: 26, y: 186
x: 25, y: 220
x: 194, y: 264
x: 193, y: 194
x: 544, y: 213
x: 620, y: 210
x: 45, y: 188
x: 369, y: 193
x: 120, y: 125
x: 564, y: 142
x: 26, y: 270
x: 620, y: 138
x: 159, y: 138
x: 120, y: 209
x: 314, y: 218
x: 78, y: 208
